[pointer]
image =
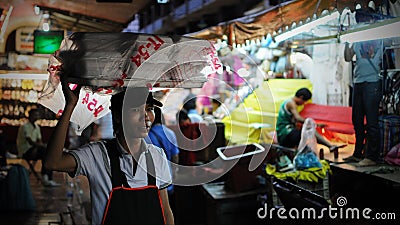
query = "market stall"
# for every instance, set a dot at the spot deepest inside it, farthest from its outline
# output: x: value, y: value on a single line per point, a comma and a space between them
x: 301, y: 39
x: 317, y: 29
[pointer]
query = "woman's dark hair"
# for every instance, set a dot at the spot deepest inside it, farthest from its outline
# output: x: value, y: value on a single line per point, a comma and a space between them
x: 305, y: 93
x: 182, y: 115
x: 116, y: 111
x: 190, y: 102
x: 158, y: 116
x: 33, y: 111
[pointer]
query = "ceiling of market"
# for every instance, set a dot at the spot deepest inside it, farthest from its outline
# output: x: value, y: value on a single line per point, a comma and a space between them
x: 80, y: 15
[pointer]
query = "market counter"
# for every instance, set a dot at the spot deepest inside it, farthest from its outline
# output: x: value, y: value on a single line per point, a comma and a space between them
x: 373, y: 186
x: 226, y: 207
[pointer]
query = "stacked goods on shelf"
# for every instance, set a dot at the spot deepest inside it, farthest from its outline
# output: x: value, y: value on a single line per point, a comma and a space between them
x: 18, y: 97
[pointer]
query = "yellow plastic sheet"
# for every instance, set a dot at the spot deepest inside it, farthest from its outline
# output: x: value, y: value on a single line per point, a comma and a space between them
x: 310, y: 174
x: 255, y: 118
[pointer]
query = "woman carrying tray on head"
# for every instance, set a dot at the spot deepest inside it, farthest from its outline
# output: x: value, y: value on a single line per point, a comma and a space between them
x: 128, y: 178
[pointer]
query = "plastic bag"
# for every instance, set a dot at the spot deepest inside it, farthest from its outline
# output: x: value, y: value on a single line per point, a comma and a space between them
x: 306, y: 156
x: 393, y: 156
x: 54, y: 68
x: 90, y: 107
x: 308, y: 137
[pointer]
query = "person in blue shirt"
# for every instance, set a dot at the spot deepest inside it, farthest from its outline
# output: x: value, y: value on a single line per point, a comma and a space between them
x: 163, y: 137
x: 367, y: 93
x: 190, y: 106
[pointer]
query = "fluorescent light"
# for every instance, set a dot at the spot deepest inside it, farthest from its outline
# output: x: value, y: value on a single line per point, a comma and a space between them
x: 155, y: 89
x: 307, y: 27
x: 385, y: 29
x: 5, y: 23
x: 22, y: 75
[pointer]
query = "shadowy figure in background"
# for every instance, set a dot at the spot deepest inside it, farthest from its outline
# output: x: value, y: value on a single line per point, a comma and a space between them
x: 128, y: 177
x: 182, y: 117
x: 367, y: 94
x: 190, y: 106
x: 287, y: 132
x: 31, y: 147
x: 3, y: 150
x: 215, y: 104
x: 6, y: 148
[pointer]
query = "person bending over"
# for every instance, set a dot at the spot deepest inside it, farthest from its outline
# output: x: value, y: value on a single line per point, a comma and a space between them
x: 287, y: 132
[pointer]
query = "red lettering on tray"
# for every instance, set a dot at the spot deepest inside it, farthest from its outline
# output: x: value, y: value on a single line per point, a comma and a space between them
x: 156, y: 45
x: 143, y: 53
x: 85, y: 100
x: 59, y: 113
x: 92, y: 104
x: 136, y: 60
x: 118, y: 83
x: 98, y: 110
x: 143, y: 50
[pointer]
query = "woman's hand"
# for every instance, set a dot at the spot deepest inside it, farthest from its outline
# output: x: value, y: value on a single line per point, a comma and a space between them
x: 71, y: 96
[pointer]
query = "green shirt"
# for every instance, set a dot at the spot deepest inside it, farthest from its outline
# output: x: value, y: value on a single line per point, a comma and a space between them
x: 285, y: 122
x: 27, y: 130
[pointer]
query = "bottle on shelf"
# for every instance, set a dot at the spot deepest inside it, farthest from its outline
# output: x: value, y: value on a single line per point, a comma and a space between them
x: 70, y: 193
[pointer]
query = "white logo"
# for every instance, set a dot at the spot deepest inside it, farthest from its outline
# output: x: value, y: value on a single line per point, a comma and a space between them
x: 341, y: 201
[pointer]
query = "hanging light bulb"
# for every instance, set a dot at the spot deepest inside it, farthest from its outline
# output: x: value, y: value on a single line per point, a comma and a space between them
x: 46, y: 15
x: 46, y: 26
x: 46, y: 21
x: 36, y: 9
